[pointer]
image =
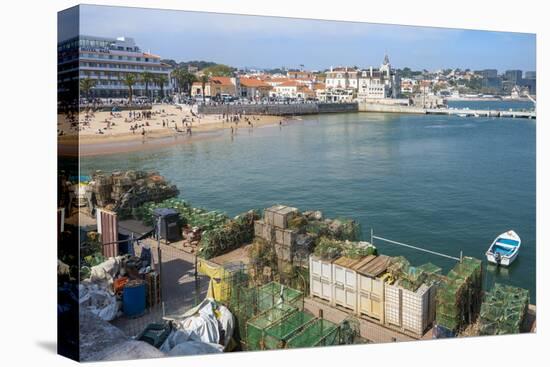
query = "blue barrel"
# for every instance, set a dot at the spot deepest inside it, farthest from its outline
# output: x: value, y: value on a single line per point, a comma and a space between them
x: 133, y: 298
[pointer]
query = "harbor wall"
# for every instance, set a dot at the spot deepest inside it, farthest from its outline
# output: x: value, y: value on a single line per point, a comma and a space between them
x: 380, y: 107
x: 279, y: 109
x: 388, y: 108
x: 337, y: 107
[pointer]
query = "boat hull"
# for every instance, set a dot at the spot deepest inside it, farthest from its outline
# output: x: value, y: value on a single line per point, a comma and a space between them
x: 504, y: 261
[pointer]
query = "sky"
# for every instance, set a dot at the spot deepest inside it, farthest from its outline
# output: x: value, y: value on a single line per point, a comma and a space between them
x: 271, y: 42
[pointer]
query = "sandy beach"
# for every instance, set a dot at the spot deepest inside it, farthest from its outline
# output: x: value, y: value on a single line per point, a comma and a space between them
x: 107, y: 133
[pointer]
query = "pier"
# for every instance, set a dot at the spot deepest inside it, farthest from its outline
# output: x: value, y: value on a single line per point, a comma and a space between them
x: 481, y: 113
x: 463, y: 112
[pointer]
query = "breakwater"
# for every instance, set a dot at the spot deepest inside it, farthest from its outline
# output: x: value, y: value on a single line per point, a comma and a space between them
x: 278, y: 109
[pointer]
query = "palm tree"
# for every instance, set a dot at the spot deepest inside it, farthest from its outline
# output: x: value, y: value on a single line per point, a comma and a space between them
x: 161, y: 80
x: 129, y: 80
x: 147, y: 78
x: 188, y: 81
x: 204, y: 79
x: 184, y: 79
x: 86, y: 85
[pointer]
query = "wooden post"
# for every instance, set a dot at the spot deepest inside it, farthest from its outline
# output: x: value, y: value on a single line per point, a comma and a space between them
x: 159, y: 253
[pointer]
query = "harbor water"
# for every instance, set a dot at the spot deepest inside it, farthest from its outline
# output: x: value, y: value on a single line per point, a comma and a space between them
x: 445, y: 183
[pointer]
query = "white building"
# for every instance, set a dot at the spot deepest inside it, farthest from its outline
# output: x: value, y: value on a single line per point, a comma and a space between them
x: 108, y: 60
x: 292, y: 90
x: 341, y: 78
x: 379, y: 83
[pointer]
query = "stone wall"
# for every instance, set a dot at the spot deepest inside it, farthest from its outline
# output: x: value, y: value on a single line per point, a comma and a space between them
x: 279, y: 109
x: 376, y: 107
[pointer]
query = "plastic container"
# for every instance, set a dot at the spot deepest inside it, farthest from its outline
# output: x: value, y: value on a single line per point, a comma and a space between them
x: 133, y: 298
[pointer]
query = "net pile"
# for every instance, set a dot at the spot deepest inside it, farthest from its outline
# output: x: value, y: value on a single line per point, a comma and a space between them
x: 195, y: 217
x: 229, y: 236
x: 329, y: 249
x: 412, y: 277
x: 247, y: 300
x: 274, y: 292
x: 459, y: 295
x: 276, y: 336
x: 130, y: 189
x: 320, y: 332
x: 255, y: 327
x: 503, y: 310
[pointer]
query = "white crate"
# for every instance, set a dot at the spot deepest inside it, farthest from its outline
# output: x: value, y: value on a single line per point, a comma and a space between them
x: 416, y: 309
x: 392, y: 305
x: 346, y: 297
x: 344, y: 276
x: 321, y: 288
x: 371, y: 296
x: 320, y: 268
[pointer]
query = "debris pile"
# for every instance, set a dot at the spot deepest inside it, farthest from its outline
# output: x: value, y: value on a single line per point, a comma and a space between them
x: 127, y: 190
x: 110, y: 287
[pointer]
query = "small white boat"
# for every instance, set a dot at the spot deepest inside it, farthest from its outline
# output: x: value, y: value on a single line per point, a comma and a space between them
x: 504, y: 249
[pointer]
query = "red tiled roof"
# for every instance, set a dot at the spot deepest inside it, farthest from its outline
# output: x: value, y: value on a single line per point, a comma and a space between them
x: 221, y: 80
x: 289, y: 83
x: 253, y: 83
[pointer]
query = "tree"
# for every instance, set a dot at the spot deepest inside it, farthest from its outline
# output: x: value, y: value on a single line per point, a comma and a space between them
x: 147, y: 78
x: 86, y: 85
x: 129, y: 80
x: 184, y: 79
x: 204, y: 79
x: 219, y: 70
x: 161, y: 80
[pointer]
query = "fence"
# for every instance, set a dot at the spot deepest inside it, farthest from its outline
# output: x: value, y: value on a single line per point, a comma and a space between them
x: 373, y: 237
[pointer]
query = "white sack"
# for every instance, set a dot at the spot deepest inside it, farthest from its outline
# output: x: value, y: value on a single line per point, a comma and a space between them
x: 227, y: 323
x: 98, y: 300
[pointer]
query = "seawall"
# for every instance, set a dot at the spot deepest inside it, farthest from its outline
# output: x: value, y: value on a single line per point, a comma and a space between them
x: 388, y: 108
x: 279, y: 109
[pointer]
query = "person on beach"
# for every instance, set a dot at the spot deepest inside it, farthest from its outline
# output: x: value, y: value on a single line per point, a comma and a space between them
x: 143, y: 132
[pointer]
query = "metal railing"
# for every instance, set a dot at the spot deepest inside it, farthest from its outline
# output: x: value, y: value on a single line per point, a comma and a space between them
x: 373, y: 237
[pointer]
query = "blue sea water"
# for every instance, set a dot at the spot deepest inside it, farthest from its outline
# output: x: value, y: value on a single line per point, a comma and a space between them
x: 445, y: 183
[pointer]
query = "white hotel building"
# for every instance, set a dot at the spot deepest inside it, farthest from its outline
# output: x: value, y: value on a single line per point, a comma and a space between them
x: 367, y: 84
x: 107, y: 60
